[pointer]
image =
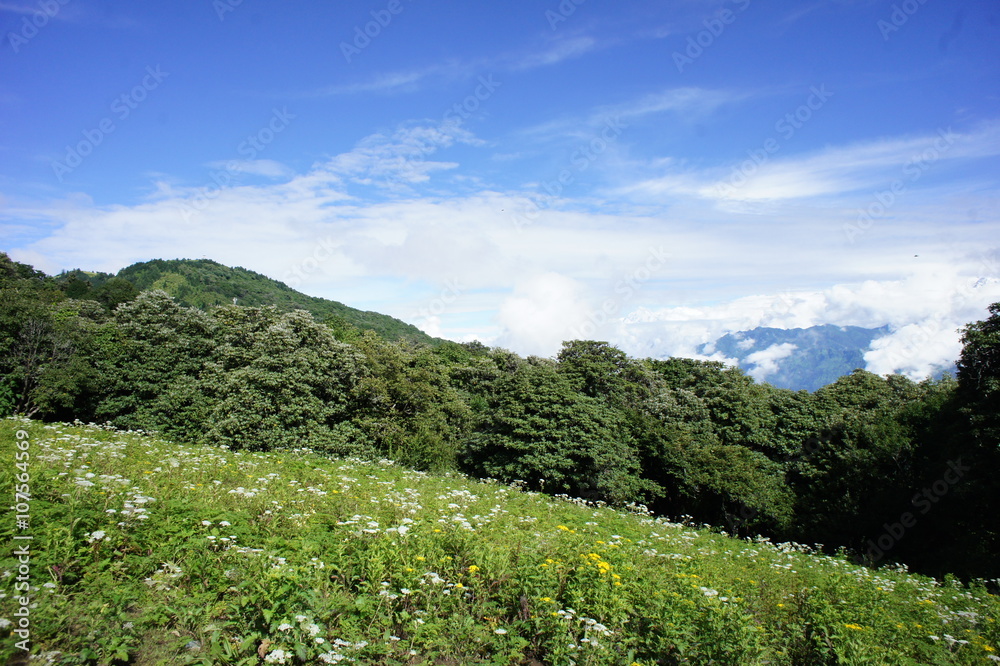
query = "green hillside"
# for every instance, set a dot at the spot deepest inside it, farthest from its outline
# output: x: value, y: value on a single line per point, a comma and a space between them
x: 886, y: 468
x: 204, y: 283
x: 149, y: 552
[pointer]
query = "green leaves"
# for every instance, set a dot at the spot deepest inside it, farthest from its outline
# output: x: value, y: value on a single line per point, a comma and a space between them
x: 539, y: 430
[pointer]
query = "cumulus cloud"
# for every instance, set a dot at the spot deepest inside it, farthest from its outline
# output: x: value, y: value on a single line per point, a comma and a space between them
x: 389, y: 224
x: 917, y: 350
x: 765, y: 361
x: 539, y: 315
x: 924, y: 311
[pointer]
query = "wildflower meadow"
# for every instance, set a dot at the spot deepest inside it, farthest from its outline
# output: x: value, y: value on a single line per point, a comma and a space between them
x: 143, y: 551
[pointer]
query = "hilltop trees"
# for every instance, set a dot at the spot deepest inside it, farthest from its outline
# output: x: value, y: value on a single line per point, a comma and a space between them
x: 405, y: 406
x: 843, y: 466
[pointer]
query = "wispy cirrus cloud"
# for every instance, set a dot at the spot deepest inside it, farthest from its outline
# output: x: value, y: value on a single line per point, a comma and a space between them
x: 396, y: 216
x: 686, y: 102
x: 552, y: 53
x: 831, y: 171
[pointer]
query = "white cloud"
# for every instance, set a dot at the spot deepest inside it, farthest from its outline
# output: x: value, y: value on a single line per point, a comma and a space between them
x: 925, y: 311
x: 551, y: 53
x: 386, y: 225
x: 834, y: 170
x: 686, y: 102
x: 765, y: 361
x: 540, y: 314
x: 265, y: 168
x: 917, y: 350
x: 560, y: 50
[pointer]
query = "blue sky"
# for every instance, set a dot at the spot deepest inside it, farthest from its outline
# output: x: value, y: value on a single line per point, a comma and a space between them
x: 650, y: 173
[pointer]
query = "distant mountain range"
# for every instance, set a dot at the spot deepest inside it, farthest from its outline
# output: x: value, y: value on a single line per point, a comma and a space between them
x: 798, y: 358
x: 204, y: 283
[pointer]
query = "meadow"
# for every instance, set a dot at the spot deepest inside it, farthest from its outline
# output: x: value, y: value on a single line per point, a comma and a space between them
x: 145, y: 551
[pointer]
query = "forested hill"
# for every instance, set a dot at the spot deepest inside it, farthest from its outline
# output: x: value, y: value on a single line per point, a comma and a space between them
x: 888, y: 468
x: 203, y: 283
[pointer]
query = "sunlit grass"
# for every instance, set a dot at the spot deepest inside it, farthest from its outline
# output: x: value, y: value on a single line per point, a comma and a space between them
x: 147, y: 552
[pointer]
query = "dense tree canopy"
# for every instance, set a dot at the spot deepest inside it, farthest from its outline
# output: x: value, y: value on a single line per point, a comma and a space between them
x: 890, y: 469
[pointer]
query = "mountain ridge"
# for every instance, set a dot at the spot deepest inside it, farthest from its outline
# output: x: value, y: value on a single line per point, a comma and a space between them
x: 798, y: 358
x: 204, y: 283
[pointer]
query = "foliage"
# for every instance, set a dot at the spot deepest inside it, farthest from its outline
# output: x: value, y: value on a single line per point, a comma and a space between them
x: 147, y: 551
x: 845, y: 466
x: 407, y: 407
x: 537, y: 429
x: 204, y: 284
x: 154, y: 349
x: 979, y: 375
x: 276, y: 380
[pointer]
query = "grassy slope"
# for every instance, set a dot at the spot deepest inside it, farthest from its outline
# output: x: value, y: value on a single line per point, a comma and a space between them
x: 157, y: 553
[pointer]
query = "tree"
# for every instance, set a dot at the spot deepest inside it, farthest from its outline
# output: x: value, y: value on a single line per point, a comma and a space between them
x: 979, y: 376
x: 114, y: 292
x: 154, y: 351
x: 277, y: 380
x: 538, y: 429
x: 598, y: 370
x: 27, y: 337
x: 69, y: 382
x: 860, y: 471
x: 406, y: 405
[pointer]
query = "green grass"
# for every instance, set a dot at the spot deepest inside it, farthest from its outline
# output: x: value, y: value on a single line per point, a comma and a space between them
x: 147, y: 552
